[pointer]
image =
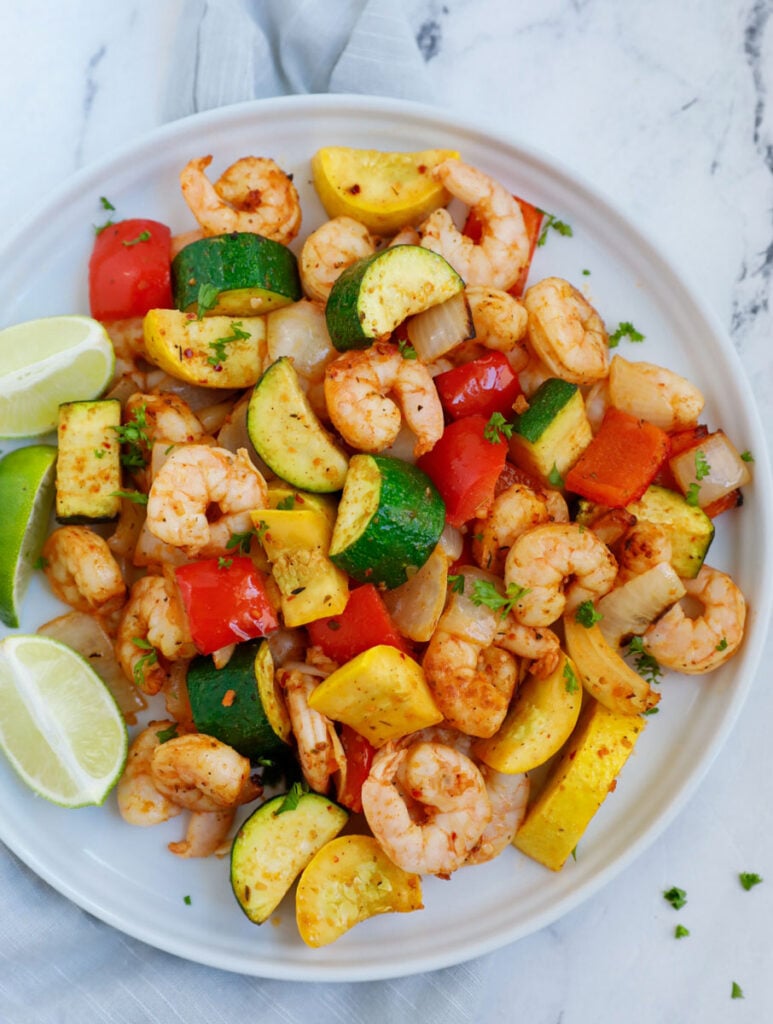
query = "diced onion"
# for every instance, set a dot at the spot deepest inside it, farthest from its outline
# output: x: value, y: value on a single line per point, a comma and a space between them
x: 628, y: 609
x: 451, y: 542
x: 299, y: 332
x: 86, y: 635
x: 441, y: 328
x: 416, y: 605
x: 653, y: 393
x: 723, y: 467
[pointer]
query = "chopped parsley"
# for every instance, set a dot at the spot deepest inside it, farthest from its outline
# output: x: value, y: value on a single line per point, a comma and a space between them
x: 586, y: 273
x: 219, y: 354
x: 572, y: 684
x: 692, y: 493
x: 262, y: 530
x: 99, y: 453
x: 456, y: 583
x: 497, y: 427
x: 645, y: 664
x: 651, y: 711
x: 40, y: 563
x: 553, y: 222
x: 105, y: 203
x: 676, y: 897
x: 143, y: 236
x: 187, y: 901
x: 224, y: 563
x: 206, y: 299
x: 722, y: 645
x: 702, y: 467
x: 241, y: 541
x: 485, y: 592
x: 407, y: 351
x: 293, y: 797
x: 747, y: 456
x: 286, y: 504
x: 147, y: 659
x: 554, y: 478
x: 134, y: 436
x: 170, y: 733
x: 587, y: 615
x: 736, y: 992
x: 136, y: 496
x: 680, y: 932
x: 624, y: 330
x: 749, y: 879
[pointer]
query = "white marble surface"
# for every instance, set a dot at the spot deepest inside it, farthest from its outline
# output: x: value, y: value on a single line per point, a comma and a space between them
x: 665, y: 108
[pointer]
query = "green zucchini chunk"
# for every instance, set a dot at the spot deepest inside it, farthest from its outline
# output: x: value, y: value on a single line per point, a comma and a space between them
x: 88, y: 463
x: 375, y: 294
x: 287, y: 435
x: 688, y: 527
x: 251, y: 275
x: 552, y: 433
x: 237, y: 704
x: 275, y: 844
x: 389, y: 521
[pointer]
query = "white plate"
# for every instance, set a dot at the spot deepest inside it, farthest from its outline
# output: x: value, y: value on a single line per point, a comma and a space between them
x: 124, y: 875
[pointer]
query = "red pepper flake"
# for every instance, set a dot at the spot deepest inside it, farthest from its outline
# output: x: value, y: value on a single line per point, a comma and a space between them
x: 422, y: 168
x: 188, y: 353
x: 354, y: 190
x: 228, y: 698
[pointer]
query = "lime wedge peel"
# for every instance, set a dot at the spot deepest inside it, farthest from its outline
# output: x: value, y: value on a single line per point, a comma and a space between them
x: 46, y: 362
x: 27, y: 487
x: 60, y: 727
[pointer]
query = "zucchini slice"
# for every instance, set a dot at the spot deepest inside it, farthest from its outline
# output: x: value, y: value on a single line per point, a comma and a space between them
x: 251, y: 274
x: 390, y: 518
x: 287, y: 435
x: 349, y: 880
x: 550, y: 436
x: 238, y: 704
x: 88, y: 464
x: 375, y: 294
x: 275, y: 844
x: 689, y: 529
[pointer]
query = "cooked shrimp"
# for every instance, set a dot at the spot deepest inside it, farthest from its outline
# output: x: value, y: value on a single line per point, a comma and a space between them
x: 514, y: 510
x: 696, y: 645
x: 496, y: 260
x: 201, y: 773
x: 406, y: 236
x: 194, y: 478
x: 557, y: 566
x: 185, y: 238
x: 500, y: 322
x: 163, y: 417
x: 207, y: 833
x: 654, y: 393
x: 329, y: 250
x: 153, y: 622
x: 128, y: 340
x: 82, y: 571
x: 139, y: 802
x: 471, y: 680
x: 643, y: 546
x: 319, y: 750
x: 536, y: 644
x: 509, y: 796
x: 427, y: 805
x: 357, y: 390
x: 565, y: 332
x: 254, y: 194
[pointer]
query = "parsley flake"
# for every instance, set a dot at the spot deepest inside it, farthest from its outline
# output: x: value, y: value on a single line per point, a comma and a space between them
x: 456, y: 583
x: 736, y: 992
x: 170, y: 733
x: 407, y: 351
x: 143, y: 236
x: 241, y: 541
x: 587, y: 615
x: 220, y: 355
x: 572, y: 684
x: 224, y: 563
x: 187, y: 901
x: 136, y: 496
x: 747, y: 456
x: 147, y: 659
x: 99, y: 453
x: 645, y: 664
x: 722, y: 645
x: 680, y: 932
x: 292, y: 797
x: 551, y: 221
x: 206, y: 299
x: 105, y: 203
x: 691, y: 494
x: 485, y: 592
x: 497, y: 427
x: 555, y: 479
x: 262, y: 530
x: 624, y: 330
x: 676, y: 897
x: 749, y: 879
x: 702, y: 467
x: 40, y: 563
x: 286, y: 504
x: 133, y: 435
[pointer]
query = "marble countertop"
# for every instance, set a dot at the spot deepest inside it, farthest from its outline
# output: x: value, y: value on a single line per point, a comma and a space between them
x: 665, y: 108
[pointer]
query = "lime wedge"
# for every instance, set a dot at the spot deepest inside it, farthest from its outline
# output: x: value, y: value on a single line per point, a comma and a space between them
x: 59, y: 724
x: 26, y: 496
x: 48, y: 361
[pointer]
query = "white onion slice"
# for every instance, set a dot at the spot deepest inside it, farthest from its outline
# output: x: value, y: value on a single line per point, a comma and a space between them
x: 720, y: 467
x: 441, y: 328
x: 630, y: 608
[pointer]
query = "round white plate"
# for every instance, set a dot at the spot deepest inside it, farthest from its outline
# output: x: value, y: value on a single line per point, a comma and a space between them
x: 125, y: 875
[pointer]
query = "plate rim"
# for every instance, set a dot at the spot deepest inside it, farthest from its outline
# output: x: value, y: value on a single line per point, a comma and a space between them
x: 451, y: 122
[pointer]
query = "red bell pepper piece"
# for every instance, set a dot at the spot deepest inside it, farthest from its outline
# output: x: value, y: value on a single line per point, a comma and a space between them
x: 481, y: 387
x: 226, y: 601
x: 130, y: 270
x: 532, y: 219
x: 359, y: 757
x: 364, y: 623
x: 621, y: 461
x: 465, y: 467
